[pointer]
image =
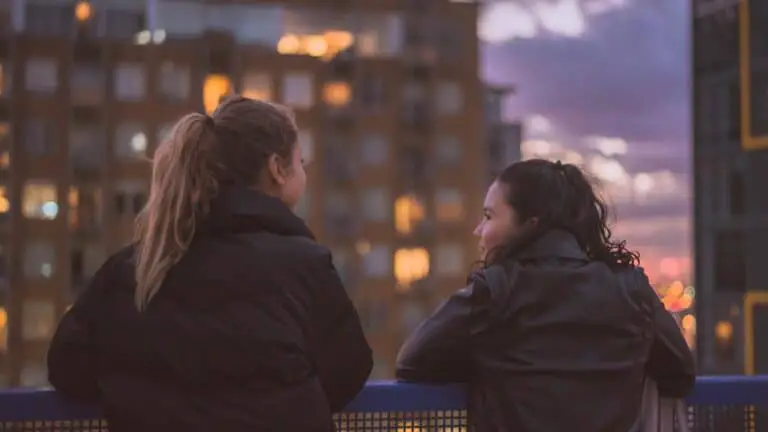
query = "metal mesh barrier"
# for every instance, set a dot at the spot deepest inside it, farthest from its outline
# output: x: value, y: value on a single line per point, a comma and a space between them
x: 55, y: 426
x: 719, y: 404
x: 737, y: 418
x: 426, y: 421
x: 701, y: 419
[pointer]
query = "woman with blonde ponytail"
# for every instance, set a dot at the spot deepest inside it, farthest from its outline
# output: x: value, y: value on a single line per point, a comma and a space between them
x: 224, y: 313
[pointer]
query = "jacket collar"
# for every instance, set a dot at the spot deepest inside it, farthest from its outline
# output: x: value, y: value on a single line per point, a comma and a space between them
x: 238, y: 209
x: 554, y: 244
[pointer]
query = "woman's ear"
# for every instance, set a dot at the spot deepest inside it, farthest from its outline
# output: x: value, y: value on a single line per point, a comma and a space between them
x: 277, y: 171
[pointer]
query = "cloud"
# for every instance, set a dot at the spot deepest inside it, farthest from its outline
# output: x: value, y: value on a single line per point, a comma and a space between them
x: 656, y: 238
x: 625, y: 77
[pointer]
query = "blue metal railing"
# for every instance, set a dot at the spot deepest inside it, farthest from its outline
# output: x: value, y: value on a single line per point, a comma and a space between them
x: 718, y: 404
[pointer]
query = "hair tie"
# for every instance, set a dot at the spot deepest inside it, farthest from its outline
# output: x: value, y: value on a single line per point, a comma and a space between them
x: 559, y: 165
x: 209, y: 122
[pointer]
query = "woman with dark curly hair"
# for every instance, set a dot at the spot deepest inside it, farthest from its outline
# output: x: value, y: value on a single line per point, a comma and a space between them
x: 560, y: 327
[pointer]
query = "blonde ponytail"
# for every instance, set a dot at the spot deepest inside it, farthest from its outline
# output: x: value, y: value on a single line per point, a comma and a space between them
x: 180, y: 193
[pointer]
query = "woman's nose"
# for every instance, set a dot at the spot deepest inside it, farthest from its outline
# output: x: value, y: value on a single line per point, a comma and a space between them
x: 478, y: 229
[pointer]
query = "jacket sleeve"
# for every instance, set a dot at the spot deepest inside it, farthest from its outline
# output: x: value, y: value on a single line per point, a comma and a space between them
x: 340, y: 351
x: 73, y: 353
x: 670, y: 363
x: 440, y: 350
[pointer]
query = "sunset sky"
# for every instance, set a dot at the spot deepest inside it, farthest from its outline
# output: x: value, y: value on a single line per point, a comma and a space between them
x: 605, y: 83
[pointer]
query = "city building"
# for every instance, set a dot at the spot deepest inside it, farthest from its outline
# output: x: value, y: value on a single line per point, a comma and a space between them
x: 388, y: 101
x: 504, y: 137
x: 730, y: 164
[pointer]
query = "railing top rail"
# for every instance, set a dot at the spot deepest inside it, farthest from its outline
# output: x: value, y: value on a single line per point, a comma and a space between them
x: 381, y: 396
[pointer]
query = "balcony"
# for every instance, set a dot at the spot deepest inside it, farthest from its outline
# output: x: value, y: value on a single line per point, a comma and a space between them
x: 733, y: 404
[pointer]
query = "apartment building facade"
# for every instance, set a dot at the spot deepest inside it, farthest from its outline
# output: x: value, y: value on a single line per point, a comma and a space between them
x: 504, y: 137
x: 388, y: 102
x: 730, y: 167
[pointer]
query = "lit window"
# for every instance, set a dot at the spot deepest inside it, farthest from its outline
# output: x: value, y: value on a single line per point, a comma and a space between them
x: 337, y: 41
x: 130, y: 141
x: 257, y: 86
x: 307, y: 144
x: 5, y: 79
x: 298, y: 90
x: 85, y: 206
x: 449, y: 206
x: 373, y: 150
x: 5, y: 145
x: 377, y: 261
x: 337, y: 93
x: 39, y: 137
x: 130, y: 82
x: 448, y: 150
x: 408, y: 213
x: 449, y: 260
x: 315, y: 45
x: 3, y: 330
x: 411, y: 265
x: 449, y: 98
x: 38, y: 320
x: 368, y: 45
x: 39, y: 260
x: 174, y: 81
x: 289, y: 44
x: 376, y: 204
x: 5, y: 201
x: 40, y: 200
x: 215, y: 88
x: 42, y: 75
x: 83, y: 11
x: 35, y: 376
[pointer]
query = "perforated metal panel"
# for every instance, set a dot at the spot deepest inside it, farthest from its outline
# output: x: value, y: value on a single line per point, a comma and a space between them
x: 719, y: 404
x: 736, y: 418
x: 426, y: 421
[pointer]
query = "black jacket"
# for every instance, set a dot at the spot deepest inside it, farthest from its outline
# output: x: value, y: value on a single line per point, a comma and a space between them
x: 251, y: 331
x: 555, y: 343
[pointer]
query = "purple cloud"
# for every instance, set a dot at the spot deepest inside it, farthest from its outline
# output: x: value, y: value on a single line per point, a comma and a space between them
x: 627, y: 77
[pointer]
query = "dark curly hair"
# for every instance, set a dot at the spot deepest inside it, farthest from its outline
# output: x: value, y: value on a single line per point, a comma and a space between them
x: 559, y: 196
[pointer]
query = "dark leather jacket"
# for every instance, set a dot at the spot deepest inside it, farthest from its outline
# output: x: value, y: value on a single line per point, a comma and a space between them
x: 552, y: 342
